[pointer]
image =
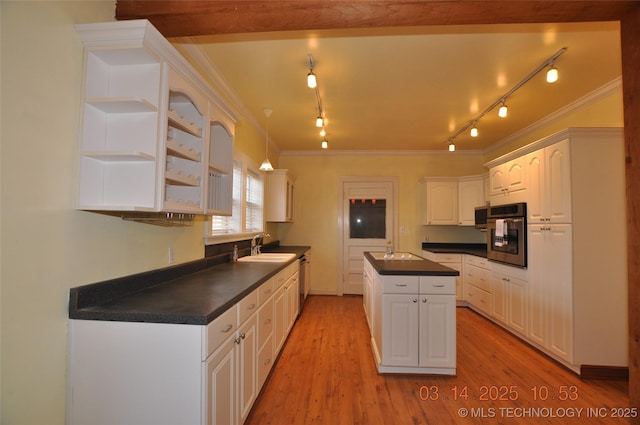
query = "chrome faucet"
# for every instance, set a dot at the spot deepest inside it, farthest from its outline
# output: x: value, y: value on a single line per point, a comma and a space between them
x: 255, y: 246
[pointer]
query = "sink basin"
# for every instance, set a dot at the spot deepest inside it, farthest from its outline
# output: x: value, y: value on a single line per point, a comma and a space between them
x: 268, y: 257
x: 395, y: 256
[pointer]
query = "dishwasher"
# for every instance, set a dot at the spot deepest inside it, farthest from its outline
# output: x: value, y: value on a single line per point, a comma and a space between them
x: 304, y: 277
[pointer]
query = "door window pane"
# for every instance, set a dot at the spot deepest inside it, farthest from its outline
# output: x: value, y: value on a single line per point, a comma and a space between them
x: 367, y: 218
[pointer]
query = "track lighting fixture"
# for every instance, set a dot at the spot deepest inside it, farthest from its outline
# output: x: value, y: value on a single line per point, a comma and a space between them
x: 312, y: 82
x: 552, y: 76
x: 266, y: 164
x: 502, y: 112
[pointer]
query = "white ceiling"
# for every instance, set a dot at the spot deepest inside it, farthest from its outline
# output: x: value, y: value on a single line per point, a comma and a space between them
x: 411, y: 88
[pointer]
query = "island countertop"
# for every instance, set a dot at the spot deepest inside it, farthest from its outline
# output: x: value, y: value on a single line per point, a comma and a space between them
x: 416, y: 266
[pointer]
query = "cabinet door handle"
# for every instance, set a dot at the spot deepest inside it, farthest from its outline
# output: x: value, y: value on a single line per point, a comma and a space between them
x: 267, y: 361
x: 251, y: 307
x: 226, y: 328
x: 266, y: 322
x: 268, y: 291
x: 401, y: 285
x: 438, y: 286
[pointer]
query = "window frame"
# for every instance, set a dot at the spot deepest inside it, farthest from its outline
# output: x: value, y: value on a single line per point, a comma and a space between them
x: 247, y: 166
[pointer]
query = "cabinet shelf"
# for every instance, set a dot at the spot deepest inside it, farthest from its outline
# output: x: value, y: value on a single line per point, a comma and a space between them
x: 182, y: 151
x: 107, y: 156
x: 121, y: 105
x: 179, y: 178
x: 183, y: 124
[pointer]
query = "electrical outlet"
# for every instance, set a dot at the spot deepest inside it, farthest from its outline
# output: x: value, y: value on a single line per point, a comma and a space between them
x: 171, y: 256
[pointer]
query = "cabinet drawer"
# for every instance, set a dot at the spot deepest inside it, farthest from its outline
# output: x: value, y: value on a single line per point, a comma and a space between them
x: 265, y: 322
x: 280, y: 279
x: 400, y: 284
x: 478, y: 277
x: 478, y: 298
x: 220, y: 329
x: 438, y: 285
x: 477, y: 261
x: 265, y: 291
x: 444, y: 257
x: 247, y: 306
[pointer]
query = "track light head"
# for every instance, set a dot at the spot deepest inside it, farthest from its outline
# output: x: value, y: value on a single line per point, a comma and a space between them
x: 552, y: 74
x: 474, y: 131
x: 452, y: 147
x: 502, y: 112
x: 325, y: 144
x: 319, y: 122
x: 312, y: 83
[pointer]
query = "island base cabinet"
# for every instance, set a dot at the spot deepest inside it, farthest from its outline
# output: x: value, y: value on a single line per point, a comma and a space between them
x: 437, y: 344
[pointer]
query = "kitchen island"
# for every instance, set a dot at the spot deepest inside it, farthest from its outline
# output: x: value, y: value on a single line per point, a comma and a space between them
x: 410, y: 306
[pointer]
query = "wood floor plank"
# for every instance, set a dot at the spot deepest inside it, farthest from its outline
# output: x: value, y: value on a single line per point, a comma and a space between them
x: 326, y: 375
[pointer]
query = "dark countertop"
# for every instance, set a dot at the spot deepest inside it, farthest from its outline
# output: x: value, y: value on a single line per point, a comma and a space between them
x: 194, y: 293
x: 422, y: 267
x: 477, y: 249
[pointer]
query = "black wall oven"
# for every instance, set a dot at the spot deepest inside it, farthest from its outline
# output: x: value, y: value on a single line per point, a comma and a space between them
x: 507, y: 234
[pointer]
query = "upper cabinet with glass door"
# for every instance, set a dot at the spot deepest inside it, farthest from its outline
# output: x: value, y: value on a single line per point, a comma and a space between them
x: 147, y: 122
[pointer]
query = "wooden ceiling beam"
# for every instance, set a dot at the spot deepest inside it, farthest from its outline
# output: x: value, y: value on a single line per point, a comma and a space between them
x: 176, y: 18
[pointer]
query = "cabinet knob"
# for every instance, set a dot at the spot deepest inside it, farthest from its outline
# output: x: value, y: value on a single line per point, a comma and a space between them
x: 242, y: 335
x: 424, y: 300
x: 237, y: 341
x: 415, y: 300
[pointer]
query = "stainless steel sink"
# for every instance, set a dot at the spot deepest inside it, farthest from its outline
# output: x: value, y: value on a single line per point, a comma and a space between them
x: 268, y: 257
x: 395, y: 256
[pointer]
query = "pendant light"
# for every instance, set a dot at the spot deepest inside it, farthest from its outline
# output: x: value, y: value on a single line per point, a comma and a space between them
x: 266, y: 164
x: 325, y: 144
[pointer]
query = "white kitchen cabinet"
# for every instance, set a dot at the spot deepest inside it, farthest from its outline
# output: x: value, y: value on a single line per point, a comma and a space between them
x: 470, y: 196
x: 413, y: 324
x: 145, y: 136
x: 453, y: 261
x: 119, y: 371
x: 279, y: 201
x: 220, y: 168
x: 451, y: 200
x: 285, y: 301
x: 440, y: 202
x: 477, y: 284
x: 551, y: 293
x: 549, y: 197
x: 509, y: 301
x: 508, y: 182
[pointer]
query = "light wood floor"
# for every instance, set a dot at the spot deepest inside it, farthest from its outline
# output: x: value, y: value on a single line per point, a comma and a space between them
x: 326, y: 375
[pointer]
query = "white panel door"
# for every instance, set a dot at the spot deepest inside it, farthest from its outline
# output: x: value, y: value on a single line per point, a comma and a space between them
x: 368, y: 217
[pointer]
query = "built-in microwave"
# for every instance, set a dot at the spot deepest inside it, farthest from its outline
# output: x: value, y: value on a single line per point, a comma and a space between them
x: 507, y: 234
x: 481, y: 217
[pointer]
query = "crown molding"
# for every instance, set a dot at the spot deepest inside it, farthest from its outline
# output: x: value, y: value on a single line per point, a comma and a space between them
x: 382, y: 153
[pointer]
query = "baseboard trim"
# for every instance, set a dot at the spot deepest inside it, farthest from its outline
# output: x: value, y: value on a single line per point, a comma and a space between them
x: 619, y: 373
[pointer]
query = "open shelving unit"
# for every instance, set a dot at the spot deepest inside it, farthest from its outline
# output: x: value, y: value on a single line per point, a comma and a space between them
x: 150, y: 141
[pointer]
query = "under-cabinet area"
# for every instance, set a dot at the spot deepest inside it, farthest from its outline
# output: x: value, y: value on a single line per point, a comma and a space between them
x: 196, y: 350
x: 410, y: 306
